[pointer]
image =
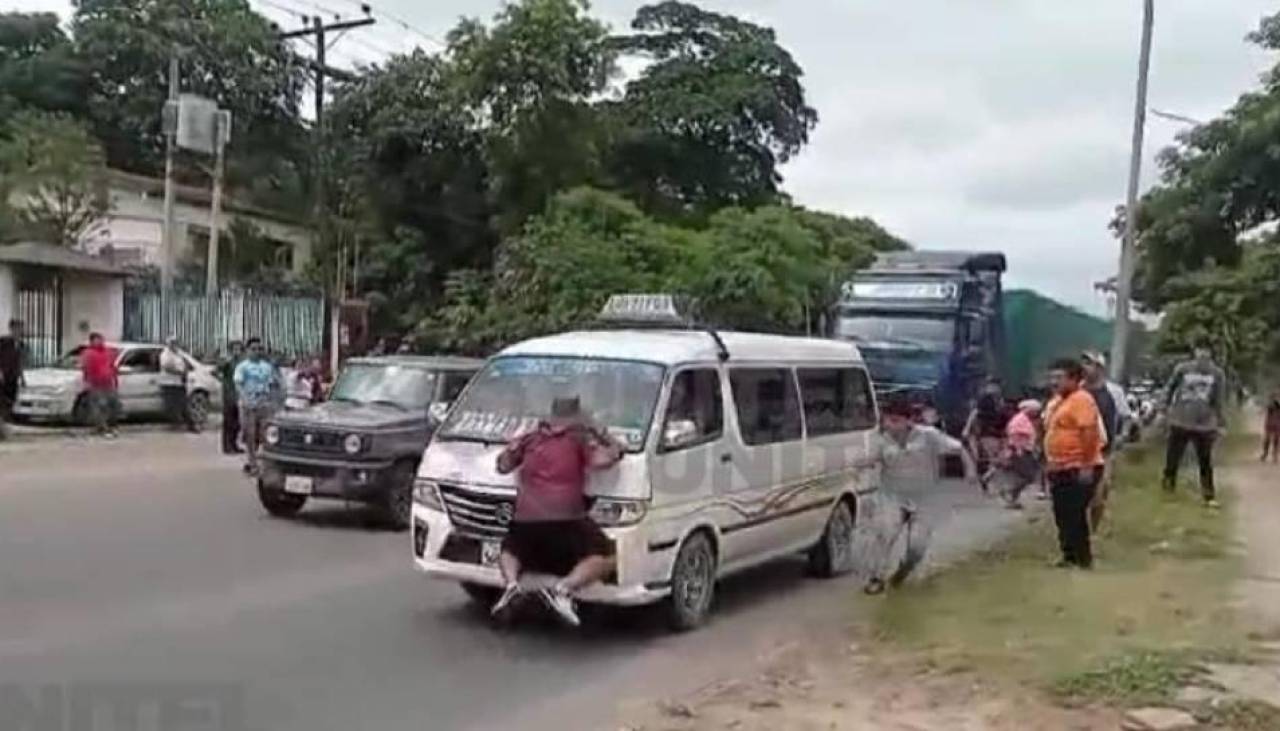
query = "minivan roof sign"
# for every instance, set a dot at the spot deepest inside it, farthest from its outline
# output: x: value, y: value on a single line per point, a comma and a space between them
x: 649, y: 309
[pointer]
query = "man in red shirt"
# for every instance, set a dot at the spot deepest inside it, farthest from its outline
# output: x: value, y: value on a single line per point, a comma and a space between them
x: 98, y: 368
x: 551, y: 531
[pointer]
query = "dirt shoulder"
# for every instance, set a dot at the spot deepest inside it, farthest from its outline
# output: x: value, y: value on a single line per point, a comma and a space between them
x: 1003, y: 641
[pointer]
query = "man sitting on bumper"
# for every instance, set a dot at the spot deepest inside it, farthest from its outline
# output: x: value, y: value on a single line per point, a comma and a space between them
x: 552, y: 532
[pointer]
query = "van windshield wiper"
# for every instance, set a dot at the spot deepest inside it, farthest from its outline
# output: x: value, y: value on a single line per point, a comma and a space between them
x: 388, y: 402
x: 453, y: 437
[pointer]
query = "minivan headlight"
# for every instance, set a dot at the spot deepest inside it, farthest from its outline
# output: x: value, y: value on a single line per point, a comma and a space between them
x: 426, y: 494
x: 352, y: 444
x: 271, y: 434
x: 612, y: 513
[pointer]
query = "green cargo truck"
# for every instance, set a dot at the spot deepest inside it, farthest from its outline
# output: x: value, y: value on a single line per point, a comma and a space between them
x: 1039, y: 330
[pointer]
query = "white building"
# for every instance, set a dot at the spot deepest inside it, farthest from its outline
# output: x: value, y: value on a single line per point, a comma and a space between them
x: 131, y: 232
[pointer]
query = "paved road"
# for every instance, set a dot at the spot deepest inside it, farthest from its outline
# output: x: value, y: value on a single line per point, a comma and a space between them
x: 148, y: 561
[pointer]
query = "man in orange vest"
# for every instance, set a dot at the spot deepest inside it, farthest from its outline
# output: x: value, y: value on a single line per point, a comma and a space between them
x: 1073, y: 460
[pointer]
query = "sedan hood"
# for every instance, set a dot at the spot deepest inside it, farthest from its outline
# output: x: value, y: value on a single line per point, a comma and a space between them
x: 347, y: 415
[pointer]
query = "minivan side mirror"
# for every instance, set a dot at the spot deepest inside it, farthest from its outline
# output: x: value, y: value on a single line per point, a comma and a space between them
x: 679, y: 433
x: 437, y: 411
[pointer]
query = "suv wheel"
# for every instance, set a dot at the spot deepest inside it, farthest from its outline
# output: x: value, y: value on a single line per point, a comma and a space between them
x: 278, y: 502
x: 398, y: 499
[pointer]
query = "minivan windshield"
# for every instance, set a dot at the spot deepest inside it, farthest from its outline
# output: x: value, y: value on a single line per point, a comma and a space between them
x: 512, y: 393
x: 405, y: 387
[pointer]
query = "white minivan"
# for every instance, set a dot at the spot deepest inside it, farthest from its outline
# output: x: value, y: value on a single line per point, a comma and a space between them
x: 741, y: 448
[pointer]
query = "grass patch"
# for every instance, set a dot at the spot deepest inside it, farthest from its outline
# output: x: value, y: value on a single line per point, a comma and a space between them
x: 1129, y: 631
x: 1242, y: 715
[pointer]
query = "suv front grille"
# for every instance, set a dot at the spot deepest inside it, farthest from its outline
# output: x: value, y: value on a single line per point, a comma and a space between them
x: 479, y: 513
x: 310, y: 440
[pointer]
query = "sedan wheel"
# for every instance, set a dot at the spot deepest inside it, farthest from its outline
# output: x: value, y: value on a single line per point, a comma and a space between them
x: 198, y: 408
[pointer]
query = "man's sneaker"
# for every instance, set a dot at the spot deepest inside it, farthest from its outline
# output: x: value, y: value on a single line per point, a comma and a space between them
x: 508, y: 595
x: 561, y: 603
x: 1212, y: 504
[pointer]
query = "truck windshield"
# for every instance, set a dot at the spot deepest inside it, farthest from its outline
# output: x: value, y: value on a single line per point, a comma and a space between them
x: 512, y: 393
x: 401, y: 386
x: 930, y: 333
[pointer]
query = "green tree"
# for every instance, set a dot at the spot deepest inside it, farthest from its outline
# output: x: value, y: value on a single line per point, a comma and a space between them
x: 38, y: 66
x: 55, y: 174
x: 229, y: 53
x: 707, y: 123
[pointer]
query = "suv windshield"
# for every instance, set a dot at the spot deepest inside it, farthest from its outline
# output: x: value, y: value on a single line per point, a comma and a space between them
x: 511, y: 394
x: 930, y: 333
x: 403, y: 386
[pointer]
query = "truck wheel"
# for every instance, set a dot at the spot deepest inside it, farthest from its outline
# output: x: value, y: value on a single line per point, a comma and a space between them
x: 278, y: 502
x: 398, y: 499
x: 833, y: 556
x: 693, y: 583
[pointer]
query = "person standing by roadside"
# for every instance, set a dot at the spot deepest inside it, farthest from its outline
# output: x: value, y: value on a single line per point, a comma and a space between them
x: 1194, y: 403
x: 98, y: 369
x: 11, y: 362
x: 173, y: 385
x: 984, y: 430
x: 1073, y: 456
x: 1109, y: 408
x: 1271, y: 428
x: 230, y: 401
x: 256, y: 382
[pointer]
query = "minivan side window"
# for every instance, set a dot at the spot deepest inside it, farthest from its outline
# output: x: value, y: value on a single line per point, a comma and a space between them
x: 836, y: 400
x: 768, y: 409
x: 695, y: 397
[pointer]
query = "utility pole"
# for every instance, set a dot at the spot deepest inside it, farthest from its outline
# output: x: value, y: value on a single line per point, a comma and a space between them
x: 170, y: 139
x: 1128, y: 246
x: 317, y: 31
x: 221, y: 133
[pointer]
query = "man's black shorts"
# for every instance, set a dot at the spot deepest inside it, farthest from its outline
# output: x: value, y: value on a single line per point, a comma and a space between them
x: 555, y: 546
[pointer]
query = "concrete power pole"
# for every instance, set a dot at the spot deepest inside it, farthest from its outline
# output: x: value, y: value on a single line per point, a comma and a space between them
x: 1128, y: 246
x: 170, y: 139
x: 317, y: 31
x: 221, y: 134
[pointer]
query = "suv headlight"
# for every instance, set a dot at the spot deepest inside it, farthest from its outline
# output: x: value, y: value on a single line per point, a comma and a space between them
x: 610, y: 513
x: 352, y: 444
x: 426, y: 494
x: 271, y: 434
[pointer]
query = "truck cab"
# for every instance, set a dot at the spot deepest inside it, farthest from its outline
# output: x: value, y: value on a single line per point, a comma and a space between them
x: 929, y: 325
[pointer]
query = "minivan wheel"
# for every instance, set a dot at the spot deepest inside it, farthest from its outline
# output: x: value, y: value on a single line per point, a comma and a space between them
x: 279, y: 503
x: 398, y: 500
x: 693, y: 583
x: 481, y: 596
x: 833, y: 555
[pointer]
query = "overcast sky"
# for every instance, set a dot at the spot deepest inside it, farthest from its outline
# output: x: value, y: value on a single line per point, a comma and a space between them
x: 995, y: 124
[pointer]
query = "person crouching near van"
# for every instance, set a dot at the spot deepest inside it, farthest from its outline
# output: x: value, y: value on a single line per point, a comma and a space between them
x: 551, y: 531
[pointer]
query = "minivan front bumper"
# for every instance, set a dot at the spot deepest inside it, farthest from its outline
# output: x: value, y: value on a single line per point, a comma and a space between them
x: 432, y: 532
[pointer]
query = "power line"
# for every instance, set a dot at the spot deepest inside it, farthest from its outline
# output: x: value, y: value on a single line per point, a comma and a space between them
x: 370, y: 10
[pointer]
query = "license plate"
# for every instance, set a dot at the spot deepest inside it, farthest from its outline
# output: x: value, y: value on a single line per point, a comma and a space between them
x: 298, y: 485
x: 489, y: 552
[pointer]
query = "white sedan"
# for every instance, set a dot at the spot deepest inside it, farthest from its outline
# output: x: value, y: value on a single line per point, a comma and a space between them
x: 58, y: 393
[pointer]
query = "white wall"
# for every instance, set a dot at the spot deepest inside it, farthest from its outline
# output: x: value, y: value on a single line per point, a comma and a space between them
x: 8, y: 297
x: 91, y: 304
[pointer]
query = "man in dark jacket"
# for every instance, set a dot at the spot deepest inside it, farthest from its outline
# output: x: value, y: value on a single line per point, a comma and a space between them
x: 230, y: 399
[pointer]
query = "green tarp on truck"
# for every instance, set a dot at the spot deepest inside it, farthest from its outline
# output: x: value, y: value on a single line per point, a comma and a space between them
x: 1038, y: 331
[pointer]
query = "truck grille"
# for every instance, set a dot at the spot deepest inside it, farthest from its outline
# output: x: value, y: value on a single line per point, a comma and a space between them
x: 479, y: 513
x: 310, y: 440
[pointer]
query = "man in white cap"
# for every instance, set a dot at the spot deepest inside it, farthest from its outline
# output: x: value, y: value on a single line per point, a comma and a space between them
x: 1113, y: 405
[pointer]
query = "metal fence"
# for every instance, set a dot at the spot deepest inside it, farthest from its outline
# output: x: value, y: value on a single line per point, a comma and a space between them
x: 40, y: 310
x: 289, y: 326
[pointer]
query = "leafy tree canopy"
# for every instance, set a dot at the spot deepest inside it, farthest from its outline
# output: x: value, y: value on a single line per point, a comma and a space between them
x: 38, y: 66
x: 54, y: 170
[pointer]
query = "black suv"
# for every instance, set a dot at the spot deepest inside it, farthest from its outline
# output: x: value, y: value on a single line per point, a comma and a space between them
x: 364, y: 442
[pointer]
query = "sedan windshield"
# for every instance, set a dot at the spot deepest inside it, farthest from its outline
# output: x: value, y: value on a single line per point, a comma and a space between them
x: 401, y: 386
x: 511, y: 394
